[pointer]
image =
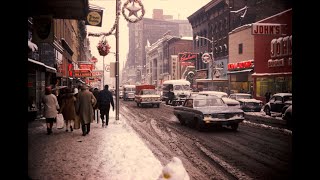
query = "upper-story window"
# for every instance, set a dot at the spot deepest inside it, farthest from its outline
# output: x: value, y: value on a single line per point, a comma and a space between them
x: 240, y: 48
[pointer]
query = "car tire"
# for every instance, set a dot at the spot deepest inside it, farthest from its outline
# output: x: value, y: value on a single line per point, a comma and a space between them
x: 198, y: 125
x: 235, y: 126
x: 267, y: 110
x: 158, y: 105
x: 182, y: 121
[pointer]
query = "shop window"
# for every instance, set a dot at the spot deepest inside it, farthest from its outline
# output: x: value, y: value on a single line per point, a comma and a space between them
x: 240, y: 48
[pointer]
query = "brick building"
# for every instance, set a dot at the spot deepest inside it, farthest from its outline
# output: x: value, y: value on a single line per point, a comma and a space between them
x: 273, y: 54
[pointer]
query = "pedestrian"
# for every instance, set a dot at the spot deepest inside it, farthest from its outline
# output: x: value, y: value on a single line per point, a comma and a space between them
x: 267, y: 96
x: 170, y: 96
x: 104, y: 101
x: 51, y: 107
x: 68, y: 108
x: 95, y: 108
x: 84, y: 109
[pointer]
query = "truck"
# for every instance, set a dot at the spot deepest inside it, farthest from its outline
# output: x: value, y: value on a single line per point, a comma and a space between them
x: 180, y: 88
x: 128, y: 92
x: 147, y: 95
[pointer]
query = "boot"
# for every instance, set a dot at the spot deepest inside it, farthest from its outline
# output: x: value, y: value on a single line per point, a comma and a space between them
x: 83, y: 127
x: 49, y: 131
x: 88, y: 128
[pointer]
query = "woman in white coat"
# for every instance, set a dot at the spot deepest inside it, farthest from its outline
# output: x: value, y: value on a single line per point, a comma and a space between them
x: 51, y: 108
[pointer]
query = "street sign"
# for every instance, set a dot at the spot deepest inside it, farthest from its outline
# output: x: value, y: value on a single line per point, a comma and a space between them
x: 107, y: 68
x: 206, y: 58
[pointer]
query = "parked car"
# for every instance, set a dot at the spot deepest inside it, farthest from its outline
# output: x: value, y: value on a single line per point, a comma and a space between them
x: 120, y: 94
x: 224, y: 97
x: 201, y: 111
x: 278, y: 103
x: 247, y: 102
x: 287, y: 116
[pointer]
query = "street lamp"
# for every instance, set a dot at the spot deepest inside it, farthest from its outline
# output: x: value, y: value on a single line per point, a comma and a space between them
x: 210, y: 40
x: 212, y: 58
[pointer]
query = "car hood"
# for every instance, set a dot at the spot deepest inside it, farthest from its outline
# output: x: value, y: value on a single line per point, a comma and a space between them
x: 149, y: 96
x: 250, y: 100
x: 230, y: 101
x: 218, y: 109
x: 288, y: 102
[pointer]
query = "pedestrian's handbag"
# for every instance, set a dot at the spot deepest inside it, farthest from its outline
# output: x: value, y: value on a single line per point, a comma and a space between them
x: 77, y: 122
x: 60, y: 121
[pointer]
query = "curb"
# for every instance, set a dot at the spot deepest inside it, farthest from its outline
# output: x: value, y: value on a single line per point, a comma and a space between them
x: 266, y: 119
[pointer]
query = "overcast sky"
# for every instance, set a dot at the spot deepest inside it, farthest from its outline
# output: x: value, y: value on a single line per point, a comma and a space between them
x: 179, y: 9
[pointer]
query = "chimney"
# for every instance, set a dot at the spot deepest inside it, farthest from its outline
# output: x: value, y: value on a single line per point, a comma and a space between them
x: 157, y: 14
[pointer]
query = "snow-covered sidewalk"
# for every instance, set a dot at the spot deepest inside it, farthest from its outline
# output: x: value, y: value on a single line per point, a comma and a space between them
x: 113, y: 153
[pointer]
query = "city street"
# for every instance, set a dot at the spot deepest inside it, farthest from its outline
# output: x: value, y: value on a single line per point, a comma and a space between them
x: 255, y: 151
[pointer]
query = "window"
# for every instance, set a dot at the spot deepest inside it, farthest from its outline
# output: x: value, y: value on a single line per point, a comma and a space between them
x: 240, y: 48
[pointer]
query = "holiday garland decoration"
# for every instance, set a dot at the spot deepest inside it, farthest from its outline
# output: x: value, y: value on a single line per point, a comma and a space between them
x: 133, y: 10
x: 103, y: 47
x: 108, y: 33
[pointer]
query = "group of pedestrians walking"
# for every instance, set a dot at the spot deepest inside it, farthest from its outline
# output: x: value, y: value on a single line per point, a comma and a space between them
x: 77, y: 107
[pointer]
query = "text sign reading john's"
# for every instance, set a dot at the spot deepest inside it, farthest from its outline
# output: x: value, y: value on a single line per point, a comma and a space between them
x: 267, y: 29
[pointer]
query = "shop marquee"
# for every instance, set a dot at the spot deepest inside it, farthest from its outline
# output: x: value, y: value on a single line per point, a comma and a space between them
x: 241, y: 65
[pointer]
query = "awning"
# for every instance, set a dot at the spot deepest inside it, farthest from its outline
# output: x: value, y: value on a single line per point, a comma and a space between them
x: 48, y: 68
x: 271, y: 74
x: 241, y: 71
x: 59, y: 9
x: 211, y: 80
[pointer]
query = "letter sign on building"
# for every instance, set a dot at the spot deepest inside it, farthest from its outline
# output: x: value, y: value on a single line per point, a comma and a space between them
x: 266, y: 29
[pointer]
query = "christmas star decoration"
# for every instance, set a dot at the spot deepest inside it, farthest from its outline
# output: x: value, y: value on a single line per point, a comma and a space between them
x: 133, y: 10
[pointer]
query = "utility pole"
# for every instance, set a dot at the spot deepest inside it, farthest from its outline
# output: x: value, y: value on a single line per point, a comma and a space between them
x: 117, y: 59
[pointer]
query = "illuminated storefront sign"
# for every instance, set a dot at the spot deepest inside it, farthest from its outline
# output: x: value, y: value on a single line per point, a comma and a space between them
x: 82, y: 73
x: 241, y: 65
x: 187, y: 58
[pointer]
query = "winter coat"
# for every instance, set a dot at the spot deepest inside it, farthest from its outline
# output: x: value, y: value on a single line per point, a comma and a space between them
x: 84, y: 109
x: 51, y: 106
x: 68, y: 109
x: 96, y: 94
x: 105, y: 99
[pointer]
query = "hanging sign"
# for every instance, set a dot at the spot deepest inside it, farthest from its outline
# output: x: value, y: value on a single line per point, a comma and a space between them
x: 94, y: 17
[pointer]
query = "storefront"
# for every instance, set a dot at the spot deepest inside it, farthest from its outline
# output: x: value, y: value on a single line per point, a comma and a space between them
x: 240, y: 77
x: 273, y: 55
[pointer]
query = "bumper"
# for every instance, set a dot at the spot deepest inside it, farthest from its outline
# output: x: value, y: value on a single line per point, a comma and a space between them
x: 150, y: 102
x: 222, y: 122
x: 251, y: 109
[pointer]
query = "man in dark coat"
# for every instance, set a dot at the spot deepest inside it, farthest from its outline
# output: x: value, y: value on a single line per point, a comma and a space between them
x: 104, y: 100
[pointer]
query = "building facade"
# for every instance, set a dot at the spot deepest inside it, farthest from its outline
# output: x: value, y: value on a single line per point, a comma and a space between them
x: 212, y: 23
x: 241, y: 59
x: 273, y: 54
x: 149, y: 31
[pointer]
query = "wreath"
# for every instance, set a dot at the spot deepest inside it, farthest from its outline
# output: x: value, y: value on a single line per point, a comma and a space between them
x: 138, y: 18
x: 103, y: 47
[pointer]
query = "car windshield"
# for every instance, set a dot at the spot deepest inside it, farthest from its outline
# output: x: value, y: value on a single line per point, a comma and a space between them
x: 207, y: 102
x: 287, y: 98
x: 148, y: 91
x: 243, y: 96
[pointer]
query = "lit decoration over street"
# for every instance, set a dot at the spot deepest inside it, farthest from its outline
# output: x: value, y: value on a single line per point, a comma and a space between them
x: 133, y: 10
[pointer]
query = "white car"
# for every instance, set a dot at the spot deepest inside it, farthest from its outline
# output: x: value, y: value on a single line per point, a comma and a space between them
x: 247, y: 102
x: 223, y: 96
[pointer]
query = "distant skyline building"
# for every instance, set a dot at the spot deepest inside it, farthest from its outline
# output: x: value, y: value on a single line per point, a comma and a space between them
x: 149, y: 31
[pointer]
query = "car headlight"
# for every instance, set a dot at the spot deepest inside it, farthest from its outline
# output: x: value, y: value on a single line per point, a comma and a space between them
x: 206, y: 117
x: 240, y: 115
